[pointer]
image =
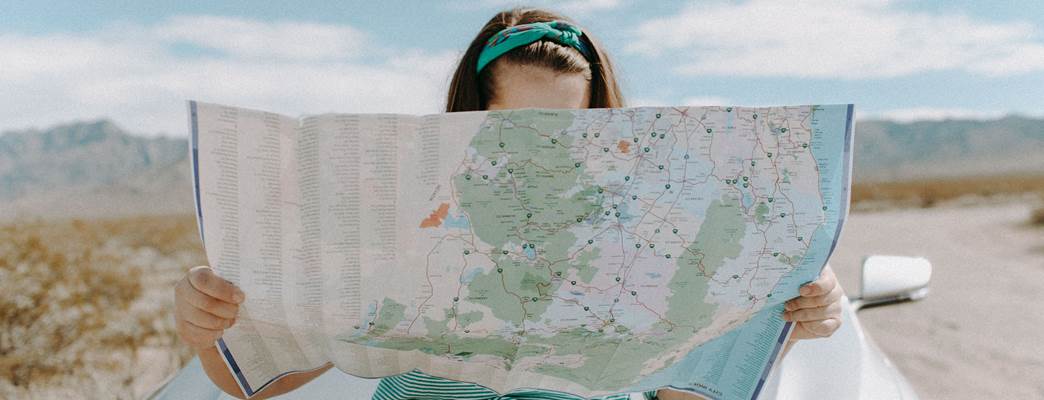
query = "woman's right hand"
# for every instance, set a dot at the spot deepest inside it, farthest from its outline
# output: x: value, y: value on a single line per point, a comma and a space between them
x: 204, y: 306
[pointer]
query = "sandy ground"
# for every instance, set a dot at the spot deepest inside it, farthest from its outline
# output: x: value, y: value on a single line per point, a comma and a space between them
x: 979, y: 333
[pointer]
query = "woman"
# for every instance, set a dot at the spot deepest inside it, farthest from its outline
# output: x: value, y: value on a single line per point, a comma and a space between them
x: 521, y: 58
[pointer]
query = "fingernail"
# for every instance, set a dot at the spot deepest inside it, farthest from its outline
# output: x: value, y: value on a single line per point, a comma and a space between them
x: 786, y: 316
x: 238, y: 296
x: 805, y: 290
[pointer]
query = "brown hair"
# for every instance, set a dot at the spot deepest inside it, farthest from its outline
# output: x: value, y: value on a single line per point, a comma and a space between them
x: 471, y: 91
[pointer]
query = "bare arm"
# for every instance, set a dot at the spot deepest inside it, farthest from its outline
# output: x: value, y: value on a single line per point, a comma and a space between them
x: 222, y: 377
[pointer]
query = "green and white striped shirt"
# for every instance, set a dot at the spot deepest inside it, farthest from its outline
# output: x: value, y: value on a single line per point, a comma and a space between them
x: 416, y: 385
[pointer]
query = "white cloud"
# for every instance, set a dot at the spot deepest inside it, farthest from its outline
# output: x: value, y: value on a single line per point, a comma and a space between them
x: 139, y: 76
x: 570, y: 8
x: 847, y: 40
x: 249, y: 38
x: 586, y: 7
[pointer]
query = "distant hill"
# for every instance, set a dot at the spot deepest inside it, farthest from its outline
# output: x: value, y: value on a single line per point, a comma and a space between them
x: 92, y: 169
x: 890, y: 151
x: 96, y: 168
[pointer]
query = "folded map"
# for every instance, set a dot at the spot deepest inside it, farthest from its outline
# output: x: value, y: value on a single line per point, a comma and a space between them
x: 585, y: 251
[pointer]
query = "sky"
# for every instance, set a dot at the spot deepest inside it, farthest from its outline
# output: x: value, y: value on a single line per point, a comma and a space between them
x: 137, y: 62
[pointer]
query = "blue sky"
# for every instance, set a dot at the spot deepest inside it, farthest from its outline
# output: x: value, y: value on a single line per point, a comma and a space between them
x: 900, y: 60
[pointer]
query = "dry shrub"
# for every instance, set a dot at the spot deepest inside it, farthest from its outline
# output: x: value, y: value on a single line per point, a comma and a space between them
x: 1037, y: 217
x: 82, y: 299
x: 929, y: 192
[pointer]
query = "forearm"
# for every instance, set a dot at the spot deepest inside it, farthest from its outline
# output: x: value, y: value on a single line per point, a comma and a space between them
x: 219, y: 374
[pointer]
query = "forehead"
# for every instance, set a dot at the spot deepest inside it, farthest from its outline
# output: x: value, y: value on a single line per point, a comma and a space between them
x: 521, y: 86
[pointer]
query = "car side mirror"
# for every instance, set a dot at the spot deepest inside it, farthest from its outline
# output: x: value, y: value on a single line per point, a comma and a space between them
x: 893, y: 279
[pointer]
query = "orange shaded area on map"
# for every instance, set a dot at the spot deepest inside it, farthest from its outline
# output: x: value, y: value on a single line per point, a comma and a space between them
x: 624, y: 146
x: 435, y: 219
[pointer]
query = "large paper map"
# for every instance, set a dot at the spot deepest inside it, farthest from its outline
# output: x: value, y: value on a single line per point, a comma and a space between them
x: 590, y: 251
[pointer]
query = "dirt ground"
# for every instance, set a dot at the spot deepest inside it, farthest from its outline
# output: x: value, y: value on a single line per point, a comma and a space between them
x: 978, y: 334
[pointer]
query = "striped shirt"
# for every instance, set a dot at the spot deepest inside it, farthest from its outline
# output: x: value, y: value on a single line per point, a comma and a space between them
x: 416, y: 385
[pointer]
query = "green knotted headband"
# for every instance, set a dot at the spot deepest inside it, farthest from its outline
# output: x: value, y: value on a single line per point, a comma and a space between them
x: 521, y: 35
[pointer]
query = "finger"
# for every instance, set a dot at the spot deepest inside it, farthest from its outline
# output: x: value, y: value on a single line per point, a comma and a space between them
x: 206, y: 303
x: 815, y: 301
x: 823, y: 328
x: 203, y: 319
x: 198, y: 336
x: 821, y: 286
x: 814, y: 314
x: 802, y: 333
x: 205, y: 280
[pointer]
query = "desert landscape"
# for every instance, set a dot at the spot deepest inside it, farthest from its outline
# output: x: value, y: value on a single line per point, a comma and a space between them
x: 976, y: 335
x: 87, y: 270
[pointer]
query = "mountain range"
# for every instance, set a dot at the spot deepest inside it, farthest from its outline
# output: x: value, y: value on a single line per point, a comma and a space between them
x: 96, y: 168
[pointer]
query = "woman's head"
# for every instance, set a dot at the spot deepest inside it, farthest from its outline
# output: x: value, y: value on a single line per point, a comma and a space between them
x: 543, y: 74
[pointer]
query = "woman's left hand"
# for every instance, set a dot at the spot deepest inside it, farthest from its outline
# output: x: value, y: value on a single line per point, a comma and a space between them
x: 817, y: 312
